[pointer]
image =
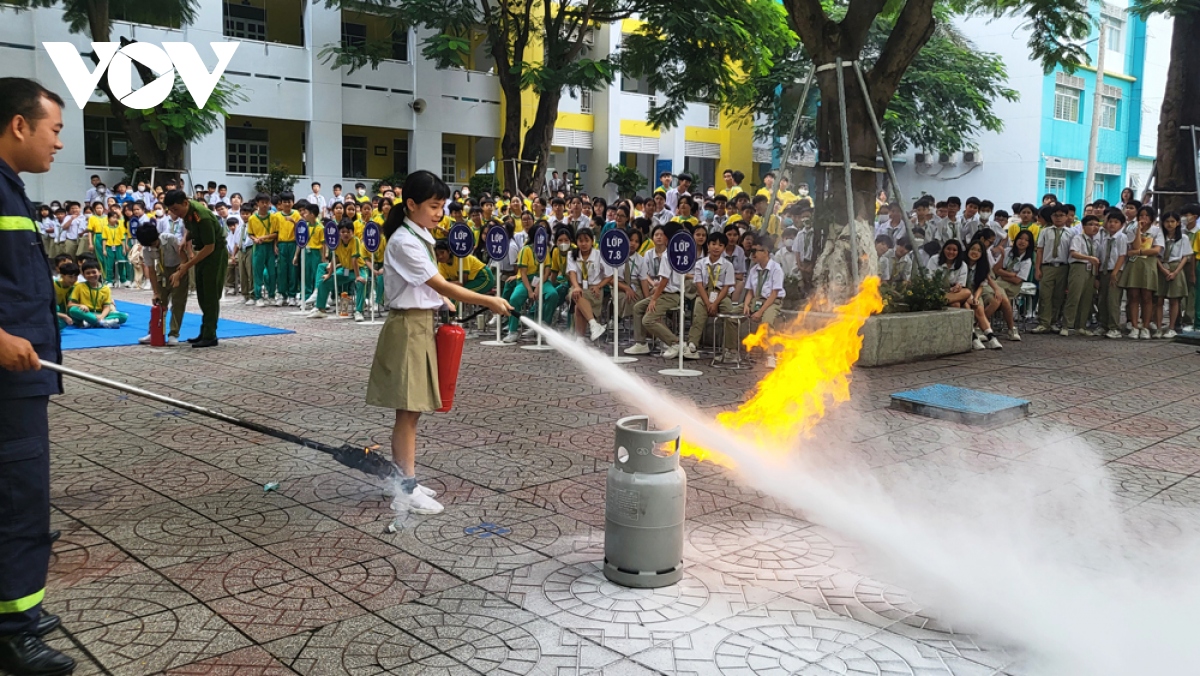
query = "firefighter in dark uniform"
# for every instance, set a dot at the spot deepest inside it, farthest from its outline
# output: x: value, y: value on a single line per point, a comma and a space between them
x: 210, y: 259
x: 30, y: 120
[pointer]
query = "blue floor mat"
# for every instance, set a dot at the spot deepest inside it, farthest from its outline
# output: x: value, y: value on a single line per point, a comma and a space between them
x: 139, y: 322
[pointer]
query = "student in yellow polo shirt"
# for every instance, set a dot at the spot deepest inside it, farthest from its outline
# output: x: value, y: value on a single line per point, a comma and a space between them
x: 287, y: 261
x: 477, y: 277
x: 263, y: 231
x: 116, y: 260
x: 91, y: 304
x: 314, y: 251
x: 349, y: 262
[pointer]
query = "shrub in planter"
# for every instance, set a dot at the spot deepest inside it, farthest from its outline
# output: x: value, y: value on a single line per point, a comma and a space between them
x: 926, y: 292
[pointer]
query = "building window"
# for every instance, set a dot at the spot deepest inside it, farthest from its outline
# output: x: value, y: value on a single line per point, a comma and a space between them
x: 400, y: 156
x: 585, y: 101
x: 354, y: 156
x: 104, y: 144
x: 1056, y: 182
x: 1108, y: 112
x: 245, y: 22
x: 353, y: 35
x: 1066, y: 104
x: 714, y: 116
x: 1114, y: 34
x: 246, y: 150
x: 449, y: 162
x: 400, y: 44
x: 1098, y: 187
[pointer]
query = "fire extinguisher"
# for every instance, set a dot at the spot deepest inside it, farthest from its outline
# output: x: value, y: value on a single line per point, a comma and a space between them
x: 449, y: 340
x: 157, y: 312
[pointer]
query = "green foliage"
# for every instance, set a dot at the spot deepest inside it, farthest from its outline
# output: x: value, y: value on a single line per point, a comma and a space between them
x: 395, y: 180
x: 277, y: 179
x: 926, y: 292
x: 1057, y: 28
x: 177, y: 118
x: 684, y: 55
x: 628, y: 180
x: 942, y: 101
x: 481, y: 183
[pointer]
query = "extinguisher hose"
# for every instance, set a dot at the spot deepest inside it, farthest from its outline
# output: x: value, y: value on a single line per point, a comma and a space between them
x: 354, y: 457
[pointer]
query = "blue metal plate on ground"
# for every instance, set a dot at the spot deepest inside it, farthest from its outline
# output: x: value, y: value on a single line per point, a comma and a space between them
x: 1188, y: 337
x: 960, y: 404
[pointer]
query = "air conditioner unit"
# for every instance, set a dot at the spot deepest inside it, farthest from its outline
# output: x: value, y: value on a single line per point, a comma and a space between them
x: 946, y: 158
x: 972, y: 157
x: 923, y: 159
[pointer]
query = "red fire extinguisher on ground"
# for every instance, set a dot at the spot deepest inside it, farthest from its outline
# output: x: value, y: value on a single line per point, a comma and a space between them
x: 449, y: 339
x: 157, y: 312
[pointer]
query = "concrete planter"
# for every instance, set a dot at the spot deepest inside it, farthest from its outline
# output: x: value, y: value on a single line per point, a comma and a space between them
x: 908, y: 336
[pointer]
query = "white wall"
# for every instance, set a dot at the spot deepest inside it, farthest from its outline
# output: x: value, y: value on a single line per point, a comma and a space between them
x: 1154, y: 82
x: 1009, y: 172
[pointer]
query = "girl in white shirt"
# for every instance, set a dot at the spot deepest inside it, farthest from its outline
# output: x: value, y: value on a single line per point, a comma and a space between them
x: 1139, y: 276
x: 1172, y: 282
x: 404, y: 373
x: 588, y: 275
x: 949, y: 262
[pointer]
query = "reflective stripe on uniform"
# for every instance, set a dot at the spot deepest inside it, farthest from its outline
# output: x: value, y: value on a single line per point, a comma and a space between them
x: 24, y: 603
x: 17, y: 223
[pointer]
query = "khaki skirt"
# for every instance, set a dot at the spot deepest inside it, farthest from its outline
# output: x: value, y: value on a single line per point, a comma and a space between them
x: 1176, y: 288
x: 1011, y: 290
x: 404, y: 375
x: 595, y: 297
x: 1141, y: 272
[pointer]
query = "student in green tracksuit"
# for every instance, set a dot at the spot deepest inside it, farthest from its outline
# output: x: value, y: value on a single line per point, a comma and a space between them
x: 210, y: 259
x: 314, y: 251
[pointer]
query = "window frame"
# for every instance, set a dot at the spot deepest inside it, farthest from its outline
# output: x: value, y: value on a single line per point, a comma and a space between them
x: 450, y: 153
x: 351, y: 155
x: 1113, y: 104
x: 400, y: 149
x: 232, y: 31
x: 1065, y: 93
x: 1056, y: 181
x: 256, y: 147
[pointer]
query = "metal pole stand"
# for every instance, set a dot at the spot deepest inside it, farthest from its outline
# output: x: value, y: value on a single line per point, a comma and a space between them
x: 499, y: 322
x: 540, y: 347
x: 617, y: 357
x: 681, y: 372
x: 373, y: 300
x: 302, y: 309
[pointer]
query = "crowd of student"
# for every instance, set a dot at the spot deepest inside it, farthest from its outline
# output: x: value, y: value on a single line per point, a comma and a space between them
x: 1074, y: 272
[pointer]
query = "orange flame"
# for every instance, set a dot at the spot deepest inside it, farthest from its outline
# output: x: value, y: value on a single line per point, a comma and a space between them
x: 812, y: 367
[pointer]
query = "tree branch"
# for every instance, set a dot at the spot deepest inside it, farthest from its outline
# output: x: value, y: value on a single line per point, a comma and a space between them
x: 913, y: 29
x: 809, y: 21
x: 857, y: 24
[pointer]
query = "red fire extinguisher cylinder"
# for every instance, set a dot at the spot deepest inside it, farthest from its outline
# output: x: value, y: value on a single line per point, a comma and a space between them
x: 157, y: 311
x: 449, y: 340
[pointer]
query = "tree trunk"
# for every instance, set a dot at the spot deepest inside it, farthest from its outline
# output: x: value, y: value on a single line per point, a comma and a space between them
x: 536, y: 153
x: 1176, y: 155
x: 510, y: 138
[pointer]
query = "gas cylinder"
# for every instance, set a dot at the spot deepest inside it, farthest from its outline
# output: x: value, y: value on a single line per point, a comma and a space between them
x: 157, y: 313
x: 645, y: 504
x: 449, y: 340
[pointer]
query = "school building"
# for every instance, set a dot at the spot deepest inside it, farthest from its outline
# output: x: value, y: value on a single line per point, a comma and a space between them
x: 1043, y: 147
x: 333, y: 126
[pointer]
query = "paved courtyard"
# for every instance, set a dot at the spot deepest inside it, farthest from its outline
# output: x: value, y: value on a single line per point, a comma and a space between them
x: 173, y: 558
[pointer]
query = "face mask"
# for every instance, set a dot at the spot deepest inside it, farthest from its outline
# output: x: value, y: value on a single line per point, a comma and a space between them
x: 984, y: 216
x: 362, y: 191
x: 158, y: 212
x: 787, y: 243
x: 711, y: 192
x: 141, y: 188
x: 787, y: 221
x: 101, y: 191
x: 466, y: 192
x: 708, y: 214
x: 803, y: 192
x: 564, y: 247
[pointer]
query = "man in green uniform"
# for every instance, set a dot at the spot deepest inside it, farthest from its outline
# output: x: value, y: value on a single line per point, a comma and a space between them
x: 210, y: 259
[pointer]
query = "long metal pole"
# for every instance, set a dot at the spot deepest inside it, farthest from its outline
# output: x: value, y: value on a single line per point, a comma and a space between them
x: 887, y: 160
x: 1089, y: 178
x: 791, y: 141
x: 847, y: 172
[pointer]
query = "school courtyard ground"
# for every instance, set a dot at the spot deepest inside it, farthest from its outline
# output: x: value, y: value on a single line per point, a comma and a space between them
x: 173, y: 559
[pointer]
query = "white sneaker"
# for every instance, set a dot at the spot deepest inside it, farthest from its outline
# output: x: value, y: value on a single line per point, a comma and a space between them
x: 493, y: 321
x: 1153, y: 326
x: 317, y: 313
x: 512, y: 337
x: 420, y: 503
x: 1086, y: 333
x: 278, y: 302
x: 638, y: 348
x: 597, y: 329
x: 671, y: 352
x: 1135, y: 333
x: 691, y: 352
x: 1170, y: 334
x: 426, y: 491
x: 771, y: 361
x: 1158, y: 335
x: 144, y: 340
x: 1145, y: 334
x: 1064, y: 332
x: 172, y: 341
x: 358, y: 317
x: 260, y: 303
x: 977, y: 344
x: 1188, y: 328
x: 528, y: 333
x: 110, y: 323
x: 1014, y: 334
x: 994, y: 344
x: 1113, y: 333
x: 250, y: 302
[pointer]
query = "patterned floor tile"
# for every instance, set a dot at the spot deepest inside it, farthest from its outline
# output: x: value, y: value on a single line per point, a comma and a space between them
x: 154, y: 644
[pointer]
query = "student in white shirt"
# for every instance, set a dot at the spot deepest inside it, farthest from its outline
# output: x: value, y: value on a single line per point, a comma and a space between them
x: 629, y: 277
x: 588, y: 275
x: 1172, y: 283
x: 1113, y: 247
x: 660, y: 286
x: 1139, y: 276
x: 162, y: 254
x: 715, y: 282
x: 950, y: 263
x: 1081, y: 280
x: 315, y: 197
x: 404, y: 372
x: 764, y: 290
x: 1051, y: 269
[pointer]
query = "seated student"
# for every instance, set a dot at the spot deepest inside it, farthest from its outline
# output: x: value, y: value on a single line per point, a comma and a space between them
x: 684, y: 211
x: 162, y: 253
x: 950, y: 264
x: 660, y: 290
x: 588, y: 276
x: 556, y: 269
x: 764, y: 290
x: 983, y: 290
x: 68, y: 277
x: 629, y: 277
x: 528, y: 287
x: 350, y: 266
x: 1081, y: 278
x: 477, y: 277
x: 91, y: 304
x: 887, y: 257
x: 903, y: 261
x: 714, y: 282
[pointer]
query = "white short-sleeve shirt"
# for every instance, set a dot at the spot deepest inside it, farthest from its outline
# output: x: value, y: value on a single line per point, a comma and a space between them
x: 589, y: 271
x: 773, y: 281
x: 408, y: 265
x: 720, y: 274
